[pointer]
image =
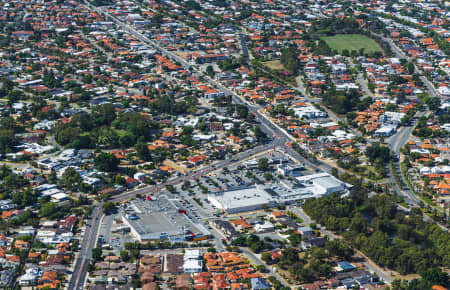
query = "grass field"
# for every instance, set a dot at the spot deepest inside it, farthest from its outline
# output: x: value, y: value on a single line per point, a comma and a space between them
x: 274, y: 64
x: 351, y: 42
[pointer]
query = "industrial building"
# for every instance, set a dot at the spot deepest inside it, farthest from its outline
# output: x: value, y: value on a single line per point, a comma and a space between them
x: 158, y: 219
x: 242, y: 199
x: 322, y: 183
x: 257, y: 197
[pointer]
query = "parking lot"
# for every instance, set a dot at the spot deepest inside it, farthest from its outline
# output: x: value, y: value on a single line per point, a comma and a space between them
x: 240, y: 174
x: 193, y: 200
x: 111, y: 234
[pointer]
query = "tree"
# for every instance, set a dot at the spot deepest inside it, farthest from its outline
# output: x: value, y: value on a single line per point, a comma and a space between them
x: 343, y: 102
x: 361, y: 51
x: 157, y: 20
x: 210, y: 71
x: 142, y: 151
x: 52, y: 178
x: 83, y: 200
x: 335, y: 172
x: 106, y: 162
x: 259, y: 134
x: 23, y: 198
x: 263, y: 164
x: 83, y: 141
x: 71, y: 177
x: 127, y: 140
x: 104, y: 135
x: 96, y: 254
x: 267, y: 257
x: 192, y: 5
x: 104, y: 114
x: 261, y: 268
x: 49, y: 208
x: 436, y: 276
x: 295, y: 239
x: 339, y: 249
x: 83, y: 121
x: 120, y: 180
x: 186, y: 185
x: 136, y: 124
x: 7, y: 141
x: 242, y: 111
x: 289, y: 59
x: 137, y: 283
x: 257, y: 246
x: 8, y: 123
x: 410, y: 67
x: 186, y: 136
x: 67, y: 135
x: 434, y: 104
x: 170, y: 188
x: 394, y: 238
x: 379, y: 153
x: 268, y: 176
x: 124, y: 255
x: 108, y: 207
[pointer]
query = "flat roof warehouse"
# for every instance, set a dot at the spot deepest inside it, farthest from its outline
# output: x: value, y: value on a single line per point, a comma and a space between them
x: 159, y: 219
x: 256, y: 197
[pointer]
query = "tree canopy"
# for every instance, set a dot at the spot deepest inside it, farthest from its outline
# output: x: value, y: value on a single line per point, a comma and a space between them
x: 374, y: 225
x: 106, y: 162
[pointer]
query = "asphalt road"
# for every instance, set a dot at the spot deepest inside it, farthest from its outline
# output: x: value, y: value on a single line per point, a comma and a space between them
x: 281, y: 138
x: 79, y: 272
x: 396, y: 142
x: 271, y: 129
x: 98, y: 47
x: 257, y: 261
x: 244, y: 47
x: 400, y: 54
x: 90, y: 237
x: 330, y: 113
x: 360, y: 80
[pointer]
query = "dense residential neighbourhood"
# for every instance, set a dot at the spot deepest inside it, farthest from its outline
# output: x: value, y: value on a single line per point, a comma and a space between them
x: 224, y: 144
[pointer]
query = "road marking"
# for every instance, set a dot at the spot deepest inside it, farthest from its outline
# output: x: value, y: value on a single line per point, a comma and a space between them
x: 87, y: 247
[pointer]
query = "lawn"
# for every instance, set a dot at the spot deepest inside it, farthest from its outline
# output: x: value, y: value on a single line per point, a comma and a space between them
x: 274, y: 65
x: 351, y: 42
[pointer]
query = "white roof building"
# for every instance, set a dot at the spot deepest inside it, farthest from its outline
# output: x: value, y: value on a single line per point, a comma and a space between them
x: 192, y: 254
x: 50, y: 192
x: 253, y: 198
x: 322, y: 183
x: 309, y: 112
x: 444, y: 91
x: 59, y: 197
x: 45, y: 234
x: 45, y: 186
x: 204, y: 137
x: 267, y: 226
x: 193, y: 266
x: 241, y: 200
x: 30, y: 277
x: 192, y: 261
x: 385, y: 131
